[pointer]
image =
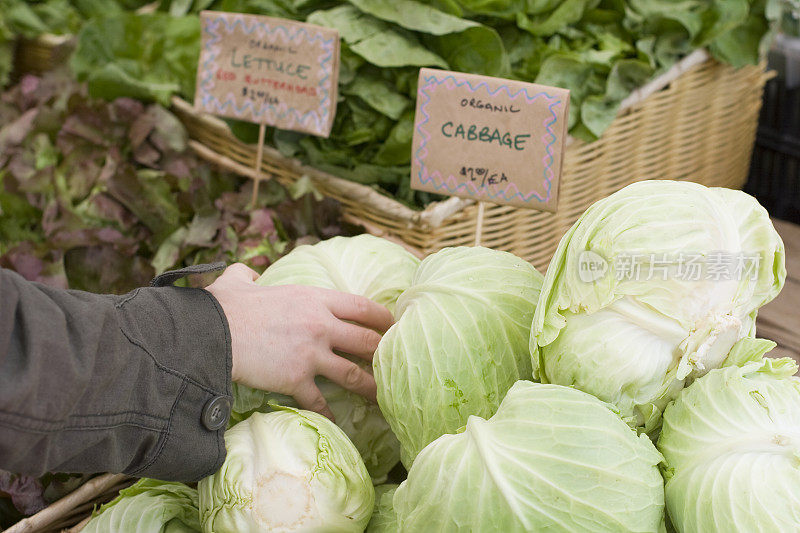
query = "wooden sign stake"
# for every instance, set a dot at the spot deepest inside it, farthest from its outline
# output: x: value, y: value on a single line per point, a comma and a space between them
x: 479, y: 224
x: 259, y: 157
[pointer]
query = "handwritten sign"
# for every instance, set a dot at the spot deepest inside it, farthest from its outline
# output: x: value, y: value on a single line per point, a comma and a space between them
x: 489, y: 139
x: 268, y: 70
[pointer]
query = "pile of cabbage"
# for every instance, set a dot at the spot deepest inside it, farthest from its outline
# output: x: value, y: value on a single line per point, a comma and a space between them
x: 622, y: 391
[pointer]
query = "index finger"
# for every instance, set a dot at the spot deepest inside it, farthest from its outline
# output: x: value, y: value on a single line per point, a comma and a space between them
x: 364, y: 311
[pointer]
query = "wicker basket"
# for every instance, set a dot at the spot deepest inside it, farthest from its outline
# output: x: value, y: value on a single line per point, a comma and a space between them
x: 71, y: 512
x: 696, y: 122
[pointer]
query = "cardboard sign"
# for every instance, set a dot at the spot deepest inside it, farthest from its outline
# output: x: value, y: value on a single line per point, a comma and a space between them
x: 268, y: 70
x: 490, y: 139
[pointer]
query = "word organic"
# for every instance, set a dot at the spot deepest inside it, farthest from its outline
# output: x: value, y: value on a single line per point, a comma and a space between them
x: 489, y: 106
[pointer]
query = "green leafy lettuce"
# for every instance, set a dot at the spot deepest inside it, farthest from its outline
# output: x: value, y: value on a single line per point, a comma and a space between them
x: 599, y: 49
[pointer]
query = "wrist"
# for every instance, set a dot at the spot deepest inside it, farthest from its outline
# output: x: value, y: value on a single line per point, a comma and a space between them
x: 227, y: 347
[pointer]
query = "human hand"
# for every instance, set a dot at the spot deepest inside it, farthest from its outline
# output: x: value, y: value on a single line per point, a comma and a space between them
x: 284, y: 336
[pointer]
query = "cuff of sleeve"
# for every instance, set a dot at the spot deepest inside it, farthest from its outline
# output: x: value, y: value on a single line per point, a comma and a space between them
x: 186, y: 334
x: 184, y: 331
x: 188, y: 451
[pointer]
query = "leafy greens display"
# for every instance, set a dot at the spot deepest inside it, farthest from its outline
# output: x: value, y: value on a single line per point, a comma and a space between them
x: 102, y: 196
x: 599, y: 49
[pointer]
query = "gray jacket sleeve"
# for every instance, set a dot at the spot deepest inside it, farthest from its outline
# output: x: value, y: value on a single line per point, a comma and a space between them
x: 138, y: 383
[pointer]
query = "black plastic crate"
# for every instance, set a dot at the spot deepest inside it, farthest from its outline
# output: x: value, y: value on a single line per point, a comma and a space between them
x: 775, y: 168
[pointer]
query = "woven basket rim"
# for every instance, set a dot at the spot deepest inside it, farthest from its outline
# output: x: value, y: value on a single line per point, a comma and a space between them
x: 52, y: 40
x: 50, y: 515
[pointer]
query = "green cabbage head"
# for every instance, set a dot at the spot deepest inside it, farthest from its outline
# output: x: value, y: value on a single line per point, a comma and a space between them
x: 383, y: 518
x: 459, y: 343
x: 364, y: 265
x: 552, y: 458
x: 149, y: 506
x: 288, y: 470
x: 651, y: 288
x: 359, y: 418
x: 731, y: 444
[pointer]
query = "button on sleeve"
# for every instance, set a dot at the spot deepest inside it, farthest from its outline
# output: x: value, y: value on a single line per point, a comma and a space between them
x: 216, y: 413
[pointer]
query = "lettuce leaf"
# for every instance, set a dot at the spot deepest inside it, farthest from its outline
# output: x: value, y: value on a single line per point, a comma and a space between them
x: 148, y: 57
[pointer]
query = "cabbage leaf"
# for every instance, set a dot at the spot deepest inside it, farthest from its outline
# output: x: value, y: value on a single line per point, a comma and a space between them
x: 551, y: 459
x: 149, y: 506
x: 459, y: 343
